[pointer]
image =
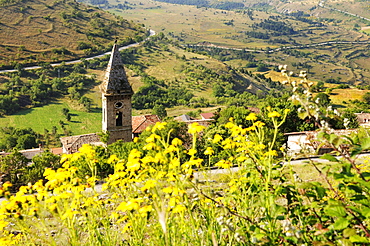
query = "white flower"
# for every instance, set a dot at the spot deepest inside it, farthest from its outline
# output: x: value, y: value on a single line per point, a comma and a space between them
x: 289, y: 234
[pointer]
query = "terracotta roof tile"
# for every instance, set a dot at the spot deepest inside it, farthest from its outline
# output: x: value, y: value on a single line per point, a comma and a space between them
x: 140, y: 123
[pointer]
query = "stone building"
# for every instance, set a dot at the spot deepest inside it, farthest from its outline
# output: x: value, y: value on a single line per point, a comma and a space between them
x: 116, y: 108
x: 116, y: 100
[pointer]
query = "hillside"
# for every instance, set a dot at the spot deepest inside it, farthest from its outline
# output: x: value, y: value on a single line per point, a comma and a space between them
x: 35, y: 31
x: 296, y: 28
x: 160, y: 72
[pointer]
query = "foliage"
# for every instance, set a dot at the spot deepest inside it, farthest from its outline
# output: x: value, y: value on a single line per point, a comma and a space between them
x: 17, y: 138
x: 18, y: 170
x: 366, y: 97
x: 159, y: 110
x: 154, y: 197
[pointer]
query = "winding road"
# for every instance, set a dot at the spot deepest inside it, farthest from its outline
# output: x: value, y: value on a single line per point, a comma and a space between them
x: 151, y: 33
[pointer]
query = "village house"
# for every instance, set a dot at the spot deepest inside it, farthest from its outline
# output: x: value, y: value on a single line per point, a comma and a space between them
x: 307, y: 141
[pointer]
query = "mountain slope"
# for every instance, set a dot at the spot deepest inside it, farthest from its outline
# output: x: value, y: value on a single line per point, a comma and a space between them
x: 36, y: 31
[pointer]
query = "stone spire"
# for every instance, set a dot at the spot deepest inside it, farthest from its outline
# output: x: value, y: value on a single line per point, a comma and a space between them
x: 115, y: 80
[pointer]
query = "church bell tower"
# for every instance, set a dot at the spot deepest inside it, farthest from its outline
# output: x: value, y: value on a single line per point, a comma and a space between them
x: 116, y: 100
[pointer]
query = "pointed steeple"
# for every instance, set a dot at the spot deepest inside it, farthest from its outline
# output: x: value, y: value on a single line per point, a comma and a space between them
x: 115, y: 80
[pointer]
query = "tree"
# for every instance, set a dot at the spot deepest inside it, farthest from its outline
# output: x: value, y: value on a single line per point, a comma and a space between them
x: 35, y: 171
x: 12, y: 167
x: 366, y: 97
x: 237, y: 113
x: 160, y: 110
x: 322, y: 99
x: 27, y: 141
x: 65, y: 111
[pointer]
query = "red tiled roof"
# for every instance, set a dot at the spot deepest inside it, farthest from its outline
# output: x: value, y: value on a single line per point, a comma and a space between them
x: 141, y: 122
x: 207, y: 116
x: 57, y: 151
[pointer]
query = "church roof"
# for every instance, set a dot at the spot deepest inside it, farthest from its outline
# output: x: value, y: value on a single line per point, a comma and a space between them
x: 115, y: 80
x: 141, y: 122
x: 73, y: 143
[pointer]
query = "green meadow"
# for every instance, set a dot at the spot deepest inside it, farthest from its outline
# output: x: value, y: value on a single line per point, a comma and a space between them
x: 41, y: 118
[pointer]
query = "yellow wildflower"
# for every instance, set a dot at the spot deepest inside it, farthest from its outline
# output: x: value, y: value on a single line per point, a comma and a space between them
x: 192, y: 151
x: 152, y: 138
x: 168, y: 190
x: 144, y: 210
x: 149, y: 184
x: 3, y: 224
x: 6, y: 185
x: 53, y: 207
x: 134, y: 154
x: 127, y: 227
x: 150, y: 146
x: 88, y: 150
x: 229, y: 125
x: 270, y: 153
x: 133, y: 204
x: 175, y: 162
x: 259, y: 147
x: 251, y: 117
x: 112, y: 159
x: 176, y: 142
x: 170, y: 149
x: 209, y: 151
x: 216, y: 138
x: 179, y: 209
x: 258, y: 124
x: 195, y: 128
x: 133, y: 165
x: 159, y: 126
x: 274, y: 114
x: 223, y: 164
x: 173, y: 201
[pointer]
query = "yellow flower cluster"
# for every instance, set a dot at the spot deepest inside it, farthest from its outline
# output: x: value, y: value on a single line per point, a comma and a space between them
x: 153, y: 186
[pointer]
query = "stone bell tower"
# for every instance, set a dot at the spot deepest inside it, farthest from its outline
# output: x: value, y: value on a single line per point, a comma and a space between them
x: 116, y: 100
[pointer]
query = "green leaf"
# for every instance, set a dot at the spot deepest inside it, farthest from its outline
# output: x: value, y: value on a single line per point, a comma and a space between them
x: 259, y: 236
x: 323, y: 135
x: 359, y: 239
x: 356, y: 151
x: 332, y: 138
x: 349, y: 232
x: 321, y: 191
x: 335, y: 210
x: 365, y: 143
x: 340, y: 224
x: 329, y: 158
x: 365, y: 212
x: 345, y: 242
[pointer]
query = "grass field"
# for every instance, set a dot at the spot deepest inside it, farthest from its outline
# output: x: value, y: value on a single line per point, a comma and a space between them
x: 46, y: 117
